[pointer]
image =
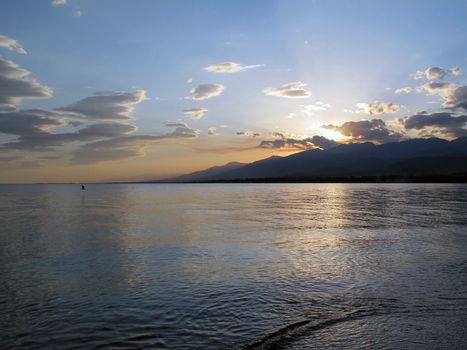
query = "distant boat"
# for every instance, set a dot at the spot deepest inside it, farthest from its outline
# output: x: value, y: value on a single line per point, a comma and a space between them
x: 83, y: 188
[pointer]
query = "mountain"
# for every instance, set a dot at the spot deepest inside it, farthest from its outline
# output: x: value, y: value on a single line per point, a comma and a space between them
x: 206, y: 174
x: 410, y: 158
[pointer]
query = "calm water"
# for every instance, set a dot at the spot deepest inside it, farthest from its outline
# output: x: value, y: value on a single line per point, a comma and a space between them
x: 254, y: 266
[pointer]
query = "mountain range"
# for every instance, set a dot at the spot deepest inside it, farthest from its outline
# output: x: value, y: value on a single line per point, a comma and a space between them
x: 409, y: 159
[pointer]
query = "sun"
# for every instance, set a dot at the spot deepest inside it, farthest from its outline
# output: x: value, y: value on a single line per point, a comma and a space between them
x: 317, y: 129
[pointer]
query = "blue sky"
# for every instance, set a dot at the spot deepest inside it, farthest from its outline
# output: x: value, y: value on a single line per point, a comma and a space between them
x: 343, y: 53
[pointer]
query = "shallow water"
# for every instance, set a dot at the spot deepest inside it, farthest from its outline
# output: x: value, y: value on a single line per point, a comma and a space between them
x: 253, y: 266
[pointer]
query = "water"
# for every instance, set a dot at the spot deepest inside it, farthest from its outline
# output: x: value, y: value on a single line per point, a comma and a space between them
x: 233, y: 266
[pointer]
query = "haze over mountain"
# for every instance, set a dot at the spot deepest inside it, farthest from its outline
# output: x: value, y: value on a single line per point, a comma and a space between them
x: 415, y: 157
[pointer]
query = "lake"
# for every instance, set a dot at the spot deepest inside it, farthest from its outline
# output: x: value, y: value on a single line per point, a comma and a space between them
x: 233, y: 266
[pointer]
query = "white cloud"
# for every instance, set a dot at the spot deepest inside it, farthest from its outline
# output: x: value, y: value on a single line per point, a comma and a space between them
x: 374, y: 108
x: 11, y: 44
x: 212, y: 131
x: 195, y: 113
x: 291, y: 90
x: 230, y: 67
x: 315, y: 107
x: 59, y: 2
x: 77, y: 13
x: 404, y: 90
x: 205, y: 91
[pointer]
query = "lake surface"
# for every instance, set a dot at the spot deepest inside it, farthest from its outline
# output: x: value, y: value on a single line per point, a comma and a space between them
x: 233, y: 266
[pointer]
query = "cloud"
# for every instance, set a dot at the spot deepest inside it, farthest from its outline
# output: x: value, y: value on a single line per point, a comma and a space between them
x: 454, y: 96
x: 182, y: 130
x: 27, y: 164
x: 16, y: 85
x: 128, y: 146
x: 456, y: 71
x: 374, y: 130
x: 77, y: 13
x: 374, y: 108
x: 195, y: 113
x: 404, y: 90
x: 59, y: 2
x: 248, y: 133
x: 212, y: 131
x: 315, y: 107
x: 9, y: 158
x: 433, y: 73
x: 382, y: 108
x: 291, y: 90
x: 230, y: 67
x: 11, y: 44
x: 290, y: 144
x: 436, y: 73
x: 33, y: 129
x: 106, y: 106
x: 444, y: 124
x: 205, y: 91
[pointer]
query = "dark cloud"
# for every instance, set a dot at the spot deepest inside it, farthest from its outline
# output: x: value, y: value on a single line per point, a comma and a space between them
x: 205, y: 91
x: 9, y: 158
x: 374, y: 130
x: 248, y: 133
x: 128, y: 146
x: 289, y: 144
x: 454, y: 96
x: 106, y: 106
x: 442, y: 124
x: 16, y: 85
x: 33, y: 129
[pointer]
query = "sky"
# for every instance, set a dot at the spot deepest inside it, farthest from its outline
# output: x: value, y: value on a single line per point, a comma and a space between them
x: 105, y: 90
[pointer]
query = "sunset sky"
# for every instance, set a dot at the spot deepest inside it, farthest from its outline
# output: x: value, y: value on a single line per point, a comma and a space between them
x: 103, y: 90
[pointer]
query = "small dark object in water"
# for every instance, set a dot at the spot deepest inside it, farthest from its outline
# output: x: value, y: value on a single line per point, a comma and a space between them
x: 82, y: 187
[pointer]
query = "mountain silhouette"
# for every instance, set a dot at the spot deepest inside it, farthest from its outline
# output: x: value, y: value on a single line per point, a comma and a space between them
x: 410, y: 158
